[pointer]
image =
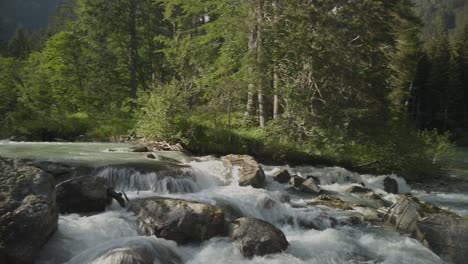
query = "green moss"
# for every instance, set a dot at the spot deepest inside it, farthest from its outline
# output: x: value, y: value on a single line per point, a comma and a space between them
x: 427, y: 208
x: 334, y: 203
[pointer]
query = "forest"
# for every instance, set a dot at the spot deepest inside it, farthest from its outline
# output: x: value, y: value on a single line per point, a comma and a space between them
x: 364, y: 84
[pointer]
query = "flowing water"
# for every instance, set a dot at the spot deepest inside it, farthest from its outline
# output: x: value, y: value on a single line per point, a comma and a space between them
x: 105, y: 237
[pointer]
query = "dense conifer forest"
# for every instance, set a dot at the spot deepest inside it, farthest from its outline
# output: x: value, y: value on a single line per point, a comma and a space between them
x: 372, y: 85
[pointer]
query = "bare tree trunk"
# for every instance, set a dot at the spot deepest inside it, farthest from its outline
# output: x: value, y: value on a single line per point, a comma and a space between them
x: 275, y: 73
x: 133, y: 53
x: 259, y: 40
x: 251, y: 86
x: 275, y: 96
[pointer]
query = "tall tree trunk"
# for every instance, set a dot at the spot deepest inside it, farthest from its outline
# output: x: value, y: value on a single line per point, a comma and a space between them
x: 252, y: 44
x: 261, y: 103
x: 275, y: 73
x: 133, y: 52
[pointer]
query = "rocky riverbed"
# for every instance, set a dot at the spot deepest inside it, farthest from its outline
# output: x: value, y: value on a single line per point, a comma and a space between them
x: 101, y: 203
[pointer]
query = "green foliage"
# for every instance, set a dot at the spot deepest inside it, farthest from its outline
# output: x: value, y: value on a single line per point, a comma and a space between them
x: 164, y: 115
x: 341, y: 76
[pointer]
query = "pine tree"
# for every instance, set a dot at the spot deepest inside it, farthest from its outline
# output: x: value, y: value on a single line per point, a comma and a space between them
x: 19, y: 45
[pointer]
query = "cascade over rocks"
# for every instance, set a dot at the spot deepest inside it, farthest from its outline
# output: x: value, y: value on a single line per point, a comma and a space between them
x: 250, y: 172
x: 257, y: 237
x: 28, y: 211
x: 281, y: 176
x: 178, y: 220
x: 82, y: 195
x: 390, y: 185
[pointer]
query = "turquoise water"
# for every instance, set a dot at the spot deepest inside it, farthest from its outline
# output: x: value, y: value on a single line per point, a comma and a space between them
x: 89, y: 154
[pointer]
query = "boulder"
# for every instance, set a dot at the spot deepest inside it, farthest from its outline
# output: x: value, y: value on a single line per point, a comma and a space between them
x: 296, y: 181
x: 82, y: 195
x: 250, y: 172
x: 358, y: 189
x: 442, y: 231
x: 390, y: 185
x: 309, y: 186
x: 445, y: 235
x: 281, y: 176
x: 257, y: 237
x: 178, y: 220
x: 28, y: 211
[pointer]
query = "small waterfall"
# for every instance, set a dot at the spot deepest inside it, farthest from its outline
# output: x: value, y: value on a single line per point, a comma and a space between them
x: 180, y: 180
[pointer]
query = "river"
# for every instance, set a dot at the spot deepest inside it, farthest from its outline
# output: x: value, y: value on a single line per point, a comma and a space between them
x: 82, y: 239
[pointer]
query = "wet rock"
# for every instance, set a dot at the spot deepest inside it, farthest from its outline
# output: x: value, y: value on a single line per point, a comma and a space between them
x: 257, y: 237
x: 445, y: 235
x: 178, y: 220
x: 250, y: 172
x: 377, y: 199
x: 369, y: 214
x: 282, y: 176
x: 82, y: 195
x: 315, y: 178
x: 309, y: 186
x: 296, y: 181
x: 390, y: 185
x: 28, y: 212
x: 358, y: 189
x: 136, y: 256
x: 62, y: 172
x: 332, y: 202
x: 150, y: 156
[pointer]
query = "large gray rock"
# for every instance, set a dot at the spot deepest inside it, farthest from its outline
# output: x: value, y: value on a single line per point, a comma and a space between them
x: 281, y: 176
x: 178, y: 220
x: 257, y: 237
x: 445, y: 235
x: 82, y: 195
x: 390, y: 185
x: 28, y: 212
x: 250, y: 172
